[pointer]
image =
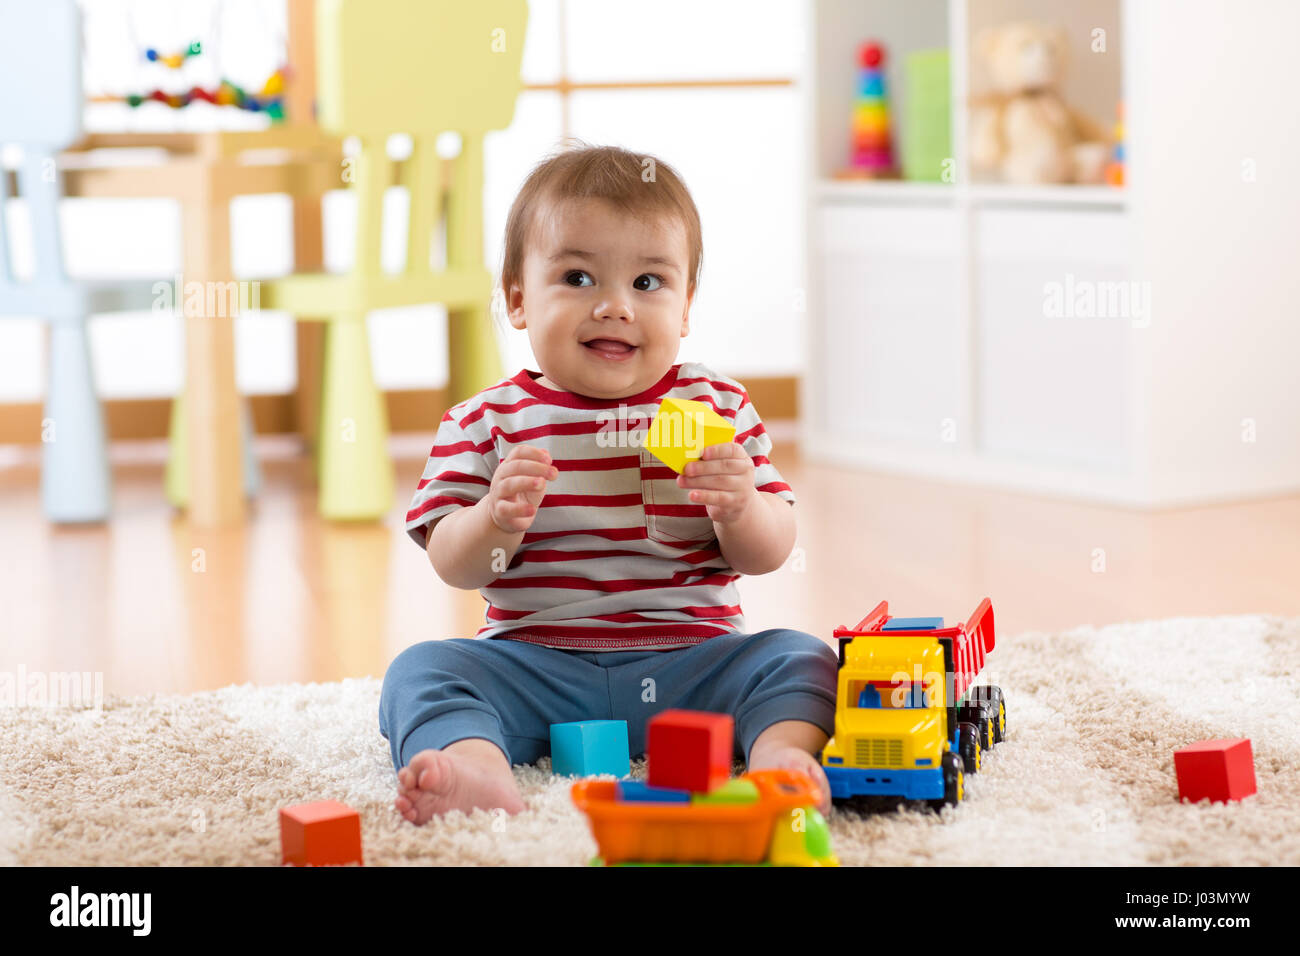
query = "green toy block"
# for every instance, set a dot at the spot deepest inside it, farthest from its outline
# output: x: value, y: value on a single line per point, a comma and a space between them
x: 584, y: 748
x: 927, y: 132
x: 736, y: 790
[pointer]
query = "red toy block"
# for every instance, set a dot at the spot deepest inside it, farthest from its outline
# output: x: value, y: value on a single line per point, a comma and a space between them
x: 689, y: 749
x: 320, y: 834
x: 1222, y: 770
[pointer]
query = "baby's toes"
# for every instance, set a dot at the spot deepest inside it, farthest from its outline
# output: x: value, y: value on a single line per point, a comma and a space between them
x: 432, y: 771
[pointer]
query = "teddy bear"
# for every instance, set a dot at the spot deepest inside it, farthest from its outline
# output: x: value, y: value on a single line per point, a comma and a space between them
x: 1023, y: 130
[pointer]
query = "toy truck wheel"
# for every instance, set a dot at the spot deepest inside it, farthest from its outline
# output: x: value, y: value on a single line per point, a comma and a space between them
x: 994, y: 701
x: 972, y: 752
x: 953, y: 783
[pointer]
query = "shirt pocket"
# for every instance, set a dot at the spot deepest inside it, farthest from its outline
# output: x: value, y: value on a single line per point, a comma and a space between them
x: 670, y: 515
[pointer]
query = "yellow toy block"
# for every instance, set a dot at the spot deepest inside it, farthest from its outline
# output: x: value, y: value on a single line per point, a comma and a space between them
x: 682, y: 429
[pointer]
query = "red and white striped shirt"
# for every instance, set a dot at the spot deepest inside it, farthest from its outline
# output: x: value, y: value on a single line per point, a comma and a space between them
x: 618, y: 557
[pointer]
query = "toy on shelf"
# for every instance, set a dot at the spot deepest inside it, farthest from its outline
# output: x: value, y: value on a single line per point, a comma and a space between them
x: 1023, y: 131
x: 682, y: 429
x: 325, y: 833
x: 926, y: 134
x: 583, y: 748
x: 689, y: 749
x: 1115, y: 168
x: 871, y: 152
x: 908, y: 723
x: 1217, y: 770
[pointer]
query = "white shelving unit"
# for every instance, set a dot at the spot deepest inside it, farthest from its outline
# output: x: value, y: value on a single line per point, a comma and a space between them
x: 949, y: 332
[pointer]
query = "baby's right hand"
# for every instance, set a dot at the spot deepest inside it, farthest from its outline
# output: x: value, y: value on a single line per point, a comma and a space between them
x: 518, y: 486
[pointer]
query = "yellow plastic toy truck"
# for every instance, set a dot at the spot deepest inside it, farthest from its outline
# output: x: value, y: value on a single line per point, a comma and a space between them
x: 908, y: 723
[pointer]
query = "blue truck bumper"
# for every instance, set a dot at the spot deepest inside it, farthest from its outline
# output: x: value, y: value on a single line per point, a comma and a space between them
x: 923, y: 784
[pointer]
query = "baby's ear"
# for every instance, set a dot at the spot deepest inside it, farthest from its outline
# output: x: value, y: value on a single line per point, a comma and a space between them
x: 515, y: 307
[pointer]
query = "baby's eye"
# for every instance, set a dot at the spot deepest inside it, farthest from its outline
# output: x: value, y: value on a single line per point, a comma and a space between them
x: 657, y: 280
x: 568, y: 277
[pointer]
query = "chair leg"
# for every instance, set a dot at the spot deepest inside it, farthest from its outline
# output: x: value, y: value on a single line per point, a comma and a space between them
x: 473, y: 358
x: 76, y: 484
x: 177, y: 477
x: 252, y: 471
x: 356, y: 474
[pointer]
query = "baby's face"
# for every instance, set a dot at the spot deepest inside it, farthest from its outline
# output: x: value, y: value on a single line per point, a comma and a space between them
x: 604, y: 299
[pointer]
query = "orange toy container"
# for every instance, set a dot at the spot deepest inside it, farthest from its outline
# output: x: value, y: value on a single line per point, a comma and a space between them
x: 691, y: 833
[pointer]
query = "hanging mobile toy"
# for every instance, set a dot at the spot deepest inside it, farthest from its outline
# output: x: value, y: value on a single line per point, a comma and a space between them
x: 270, y: 100
x: 174, y: 60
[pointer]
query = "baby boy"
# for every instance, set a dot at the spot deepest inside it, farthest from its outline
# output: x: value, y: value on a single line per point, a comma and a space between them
x: 610, y: 579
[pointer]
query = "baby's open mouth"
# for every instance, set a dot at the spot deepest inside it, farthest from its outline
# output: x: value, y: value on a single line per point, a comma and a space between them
x: 610, y: 346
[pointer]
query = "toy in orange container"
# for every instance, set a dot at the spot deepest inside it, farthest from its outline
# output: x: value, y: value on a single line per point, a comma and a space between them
x: 781, y: 828
x: 691, y: 813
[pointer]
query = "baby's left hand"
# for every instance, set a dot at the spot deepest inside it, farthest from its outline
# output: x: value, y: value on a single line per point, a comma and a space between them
x: 724, y: 477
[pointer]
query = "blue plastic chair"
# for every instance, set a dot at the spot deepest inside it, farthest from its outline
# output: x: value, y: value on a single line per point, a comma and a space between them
x: 40, y: 112
x: 41, y: 103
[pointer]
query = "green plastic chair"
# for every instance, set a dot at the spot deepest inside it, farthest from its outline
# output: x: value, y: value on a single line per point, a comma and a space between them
x: 422, y: 68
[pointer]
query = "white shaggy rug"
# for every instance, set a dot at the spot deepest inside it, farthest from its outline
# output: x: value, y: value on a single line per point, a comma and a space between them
x: 1085, y: 777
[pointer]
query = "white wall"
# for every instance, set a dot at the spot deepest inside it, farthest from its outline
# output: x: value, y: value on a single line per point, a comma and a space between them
x: 1214, y: 91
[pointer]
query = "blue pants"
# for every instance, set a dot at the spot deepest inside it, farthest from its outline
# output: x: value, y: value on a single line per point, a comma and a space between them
x: 510, y: 692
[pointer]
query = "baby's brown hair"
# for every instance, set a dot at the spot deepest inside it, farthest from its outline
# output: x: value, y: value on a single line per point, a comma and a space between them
x: 640, y: 185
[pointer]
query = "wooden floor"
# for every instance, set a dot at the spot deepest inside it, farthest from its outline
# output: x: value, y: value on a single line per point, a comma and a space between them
x: 159, y: 607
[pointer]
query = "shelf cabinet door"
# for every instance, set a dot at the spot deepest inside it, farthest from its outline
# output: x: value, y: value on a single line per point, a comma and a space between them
x: 888, y: 358
x: 1055, y: 313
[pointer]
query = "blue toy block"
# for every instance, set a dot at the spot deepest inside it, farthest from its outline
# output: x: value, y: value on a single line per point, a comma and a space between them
x: 637, y: 791
x: 586, y: 747
x: 913, y: 624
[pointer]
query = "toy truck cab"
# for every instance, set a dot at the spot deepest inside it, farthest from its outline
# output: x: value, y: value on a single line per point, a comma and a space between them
x: 907, y: 721
x: 890, y: 720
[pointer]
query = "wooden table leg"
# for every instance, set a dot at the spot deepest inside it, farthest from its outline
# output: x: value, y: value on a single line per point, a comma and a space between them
x: 216, y: 496
x: 308, y: 241
x: 308, y: 256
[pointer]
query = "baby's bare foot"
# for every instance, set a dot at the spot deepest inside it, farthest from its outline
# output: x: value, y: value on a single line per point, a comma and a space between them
x: 465, y: 775
x: 794, y: 758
